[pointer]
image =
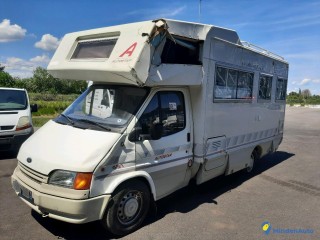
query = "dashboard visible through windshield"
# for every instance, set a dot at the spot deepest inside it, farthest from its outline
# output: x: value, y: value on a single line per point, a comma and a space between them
x: 104, y: 107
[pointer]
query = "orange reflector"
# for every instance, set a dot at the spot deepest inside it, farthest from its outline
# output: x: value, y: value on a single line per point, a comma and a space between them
x: 82, y: 181
x: 23, y: 127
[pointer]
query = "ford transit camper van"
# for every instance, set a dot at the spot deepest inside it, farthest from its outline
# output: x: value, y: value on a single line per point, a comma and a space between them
x: 170, y: 101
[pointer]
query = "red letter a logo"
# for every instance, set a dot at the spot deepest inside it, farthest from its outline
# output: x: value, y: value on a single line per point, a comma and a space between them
x: 130, y: 50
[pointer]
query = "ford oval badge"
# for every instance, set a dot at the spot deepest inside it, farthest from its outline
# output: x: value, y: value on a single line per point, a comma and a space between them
x: 29, y: 160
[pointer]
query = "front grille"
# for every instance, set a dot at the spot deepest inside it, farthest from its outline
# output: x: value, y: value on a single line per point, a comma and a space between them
x: 33, y: 175
x: 9, y: 127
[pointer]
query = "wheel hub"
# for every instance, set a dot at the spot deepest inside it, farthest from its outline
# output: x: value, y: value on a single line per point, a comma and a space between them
x: 129, y: 207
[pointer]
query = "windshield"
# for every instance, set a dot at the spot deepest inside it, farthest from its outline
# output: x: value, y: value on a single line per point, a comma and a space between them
x: 104, y: 107
x: 13, y: 100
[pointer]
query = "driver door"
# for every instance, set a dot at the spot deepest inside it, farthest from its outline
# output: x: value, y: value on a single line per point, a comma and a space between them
x: 163, y: 140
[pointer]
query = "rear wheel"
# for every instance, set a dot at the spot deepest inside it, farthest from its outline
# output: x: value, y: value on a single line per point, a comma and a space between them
x: 253, y: 158
x: 127, y: 208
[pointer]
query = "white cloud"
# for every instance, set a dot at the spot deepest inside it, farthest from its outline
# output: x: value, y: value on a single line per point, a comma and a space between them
x: 48, y: 43
x: 10, y: 32
x: 22, y: 68
x: 155, y: 13
x: 173, y: 12
x: 305, y: 81
x: 40, y: 59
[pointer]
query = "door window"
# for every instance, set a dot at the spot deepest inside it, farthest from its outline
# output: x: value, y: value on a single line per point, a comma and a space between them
x: 164, y: 116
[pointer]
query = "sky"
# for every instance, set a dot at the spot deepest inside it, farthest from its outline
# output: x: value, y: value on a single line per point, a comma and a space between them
x: 30, y: 30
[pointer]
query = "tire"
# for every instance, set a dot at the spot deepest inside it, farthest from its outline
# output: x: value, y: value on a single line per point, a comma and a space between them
x: 254, y: 157
x: 127, y: 209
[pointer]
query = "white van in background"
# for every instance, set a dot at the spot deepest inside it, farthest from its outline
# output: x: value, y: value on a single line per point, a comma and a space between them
x: 15, y: 118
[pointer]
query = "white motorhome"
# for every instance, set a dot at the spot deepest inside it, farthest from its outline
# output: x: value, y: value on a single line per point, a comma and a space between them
x: 15, y: 118
x: 189, y: 101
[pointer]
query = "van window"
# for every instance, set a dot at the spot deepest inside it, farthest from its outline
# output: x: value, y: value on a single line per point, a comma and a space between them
x: 232, y: 84
x: 281, y: 89
x: 265, y: 86
x: 103, y: 107
x: 98, y: 48
x: 167, y: 109
x: 13, y: 99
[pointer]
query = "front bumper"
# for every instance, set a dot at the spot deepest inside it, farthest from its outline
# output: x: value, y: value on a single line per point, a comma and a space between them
x: 64, y: 209
x: 13, y: 142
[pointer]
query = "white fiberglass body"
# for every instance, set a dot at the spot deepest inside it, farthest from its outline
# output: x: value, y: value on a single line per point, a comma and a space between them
x: 170, y: 102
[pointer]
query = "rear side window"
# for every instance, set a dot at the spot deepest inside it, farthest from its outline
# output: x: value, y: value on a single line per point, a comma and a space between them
x: 281, y: 89
x: 167, y: 109
x: 265, y: 86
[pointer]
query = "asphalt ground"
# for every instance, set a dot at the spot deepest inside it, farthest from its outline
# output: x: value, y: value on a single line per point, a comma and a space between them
x: 284, y: 190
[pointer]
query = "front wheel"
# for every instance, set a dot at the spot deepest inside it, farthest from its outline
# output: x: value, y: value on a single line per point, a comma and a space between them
x: 127, y: 209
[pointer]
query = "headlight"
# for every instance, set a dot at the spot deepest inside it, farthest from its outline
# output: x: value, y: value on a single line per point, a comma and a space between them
x: 23, y: 123
x: 67, y: 179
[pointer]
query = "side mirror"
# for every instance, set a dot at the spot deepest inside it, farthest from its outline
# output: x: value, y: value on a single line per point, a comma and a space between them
x: 34, y: 107
x: 156, y: 131
x: 134, y: 136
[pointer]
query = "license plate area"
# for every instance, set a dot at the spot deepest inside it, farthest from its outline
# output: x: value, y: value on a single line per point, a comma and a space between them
x: 25, y: 194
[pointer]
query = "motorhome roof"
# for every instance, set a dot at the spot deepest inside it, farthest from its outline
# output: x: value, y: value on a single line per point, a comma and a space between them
x: 126, y: 53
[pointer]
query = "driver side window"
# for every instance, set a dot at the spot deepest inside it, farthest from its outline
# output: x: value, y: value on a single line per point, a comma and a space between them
x: 164, y: 116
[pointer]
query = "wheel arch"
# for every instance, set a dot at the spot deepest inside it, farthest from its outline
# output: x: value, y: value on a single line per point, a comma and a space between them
x: 137, y: 175
x: 258, y: 150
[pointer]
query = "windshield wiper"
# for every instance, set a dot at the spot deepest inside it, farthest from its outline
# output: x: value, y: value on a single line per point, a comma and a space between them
x: 94, y: 123
x: 68, y: 118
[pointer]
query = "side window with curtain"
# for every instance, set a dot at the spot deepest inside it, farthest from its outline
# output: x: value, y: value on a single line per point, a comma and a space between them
x: 233, y: 84
x: 281, y: 89
x: 164, y: 116
x: 265, y: 86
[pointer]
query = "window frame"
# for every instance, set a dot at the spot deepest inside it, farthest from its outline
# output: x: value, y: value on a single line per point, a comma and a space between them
x: 238, y: 72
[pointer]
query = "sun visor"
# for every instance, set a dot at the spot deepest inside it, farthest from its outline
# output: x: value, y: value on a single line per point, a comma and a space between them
x: 119, y: 54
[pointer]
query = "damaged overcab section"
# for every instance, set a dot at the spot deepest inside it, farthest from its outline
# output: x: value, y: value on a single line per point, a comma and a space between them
x: 141, y: 54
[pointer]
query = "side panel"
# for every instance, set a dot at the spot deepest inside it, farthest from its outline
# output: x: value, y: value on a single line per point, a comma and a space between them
x: 215, y: 160
x: 245, y: 123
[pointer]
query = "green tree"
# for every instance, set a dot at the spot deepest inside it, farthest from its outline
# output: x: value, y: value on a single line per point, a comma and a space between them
x: 6, y: 80
x: 42, y: 81
x: 306, y: 93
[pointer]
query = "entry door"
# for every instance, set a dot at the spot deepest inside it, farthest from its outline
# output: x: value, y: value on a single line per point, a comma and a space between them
x: 163, y: 145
